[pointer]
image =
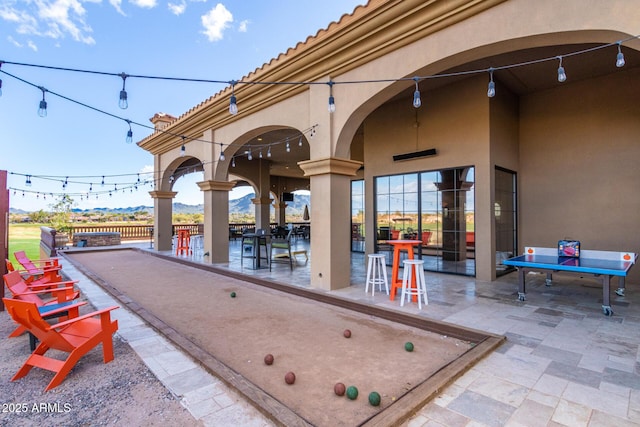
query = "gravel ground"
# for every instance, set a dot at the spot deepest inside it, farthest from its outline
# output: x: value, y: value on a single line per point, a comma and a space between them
x: 123, y: 392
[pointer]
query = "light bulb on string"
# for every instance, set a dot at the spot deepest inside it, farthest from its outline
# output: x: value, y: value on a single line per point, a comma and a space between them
x: 249, y: 155
x: 619, y: 58
x: 417, y: 102
x: 491, y: 89
x: 28, y: 181
x: 332, y: 101
x: 287, y: 147
x: 183, y: 149
x: 562, y: 76
x: 233, y: 162
x: 123, y: 102
x: 222, y: 158
x: 269, y: 151
x: 260, y: 154
x: 233, y: 106
x: 42, y: 109
x: 129, y: 138
x: 300, y: 142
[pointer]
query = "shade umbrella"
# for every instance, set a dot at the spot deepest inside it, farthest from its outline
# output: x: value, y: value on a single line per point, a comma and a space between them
x: 305, y: 215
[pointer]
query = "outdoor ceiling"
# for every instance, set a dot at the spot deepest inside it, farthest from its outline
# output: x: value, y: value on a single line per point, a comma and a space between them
x: 281, y: 163
x: 519, y: 80
x: 536, y: 77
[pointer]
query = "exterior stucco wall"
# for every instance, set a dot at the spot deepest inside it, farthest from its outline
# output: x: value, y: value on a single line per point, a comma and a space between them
x: 579, y: 153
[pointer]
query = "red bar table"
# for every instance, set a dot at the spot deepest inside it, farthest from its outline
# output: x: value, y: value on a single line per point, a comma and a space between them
x: 398, y: 246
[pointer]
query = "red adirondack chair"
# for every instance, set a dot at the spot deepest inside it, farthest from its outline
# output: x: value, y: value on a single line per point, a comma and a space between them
x: 52, y: 275
x: 60, y: 297
x: 75, y: 336
x: 39, y: 267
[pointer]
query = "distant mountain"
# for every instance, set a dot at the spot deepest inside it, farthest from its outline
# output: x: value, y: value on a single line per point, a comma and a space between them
x: 243, y: 205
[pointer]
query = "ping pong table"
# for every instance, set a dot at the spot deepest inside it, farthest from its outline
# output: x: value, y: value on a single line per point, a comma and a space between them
x: 604, y: 264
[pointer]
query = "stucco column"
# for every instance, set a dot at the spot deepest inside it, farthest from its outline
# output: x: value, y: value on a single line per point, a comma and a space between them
x: 216, y: 220
x: 163, y: 221
x: 262, y: 207
x: 280, y: 207
x: 331, y: 231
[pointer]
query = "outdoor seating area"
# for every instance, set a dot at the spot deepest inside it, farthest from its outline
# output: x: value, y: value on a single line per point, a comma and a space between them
x: 48, y: 310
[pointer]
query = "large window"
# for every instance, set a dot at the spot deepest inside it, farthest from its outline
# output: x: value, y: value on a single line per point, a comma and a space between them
x: 357, y: 216
x: 434, y: 207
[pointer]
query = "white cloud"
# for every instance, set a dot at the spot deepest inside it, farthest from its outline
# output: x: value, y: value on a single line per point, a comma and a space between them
x: 14, y: 41
x: 117, y: 5
x: 177, y: 9
x: 49, y: 18
x: 148, y: 4
x: 216, y: 21
x: 32, y: 46
x: 243, y: 26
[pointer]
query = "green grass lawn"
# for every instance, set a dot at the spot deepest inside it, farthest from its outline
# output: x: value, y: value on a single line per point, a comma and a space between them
x: 24, y: 237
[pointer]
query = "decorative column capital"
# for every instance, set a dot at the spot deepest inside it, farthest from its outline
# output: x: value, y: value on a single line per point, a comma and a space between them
x: 262, y: 201
x: 163, y: 194
x: 216, y: 185
x: 330, y: 165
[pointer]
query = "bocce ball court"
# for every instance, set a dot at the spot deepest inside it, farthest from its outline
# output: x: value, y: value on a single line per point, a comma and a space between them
x: 229, y: 323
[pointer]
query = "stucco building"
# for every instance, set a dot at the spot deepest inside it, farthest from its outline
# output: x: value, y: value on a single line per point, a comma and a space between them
x: 475, y: 177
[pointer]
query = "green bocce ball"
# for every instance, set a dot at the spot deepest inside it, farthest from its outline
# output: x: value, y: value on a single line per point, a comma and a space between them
x: 374, y: 398
x: 408, y: 346
x: 352, y: 392
x: 233, y: 294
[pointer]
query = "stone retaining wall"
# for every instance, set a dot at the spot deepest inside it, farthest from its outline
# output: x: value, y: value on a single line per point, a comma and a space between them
x: 96, y: 239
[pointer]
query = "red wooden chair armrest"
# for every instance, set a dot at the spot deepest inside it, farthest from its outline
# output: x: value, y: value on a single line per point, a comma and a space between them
x: 104, y: 314
x: 65, y: 283
x: 47, y: 291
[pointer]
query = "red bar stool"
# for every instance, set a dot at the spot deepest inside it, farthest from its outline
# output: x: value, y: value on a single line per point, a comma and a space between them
x: 184, y: 239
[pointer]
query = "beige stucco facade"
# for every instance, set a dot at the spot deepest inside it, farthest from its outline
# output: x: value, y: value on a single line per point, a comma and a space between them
x: 574, y: 146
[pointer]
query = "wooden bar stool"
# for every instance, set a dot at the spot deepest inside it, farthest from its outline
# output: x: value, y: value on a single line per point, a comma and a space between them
x: 414, y: 273
x: 376, y: 273
x: 184, y: 239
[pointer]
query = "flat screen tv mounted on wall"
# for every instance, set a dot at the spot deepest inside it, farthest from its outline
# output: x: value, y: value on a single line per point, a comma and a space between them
x: 287, y: 197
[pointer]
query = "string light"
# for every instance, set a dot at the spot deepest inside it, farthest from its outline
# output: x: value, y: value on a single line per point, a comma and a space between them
x: 249, y: 156
x: 260, y: 154
x: 28, y: 181
x: 129, y: 138
x: 183, y: 149
x: 300, y: 142
x: 42, y: 110
x: 222, y: 158
x: 233, y: 106
x: 287, y: 147
x: 123, y: 103
x: 269, y: 152
x: 491, y: 89
x: 332, y: 101
x: 0, y: 80
x: 562, y: 76
x: 417, y: 102
x: 619, y: 59
x: 233, y: 162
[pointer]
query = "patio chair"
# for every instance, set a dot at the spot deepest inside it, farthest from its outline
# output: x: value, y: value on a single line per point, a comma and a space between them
x: 60, y: 302
x: 283, y: 250
x: 75, y: 336
x: 38, y: 267
x: 35, y: 279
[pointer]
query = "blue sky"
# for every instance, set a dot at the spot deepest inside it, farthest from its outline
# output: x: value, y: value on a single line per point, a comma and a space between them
x: 195, y: 39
